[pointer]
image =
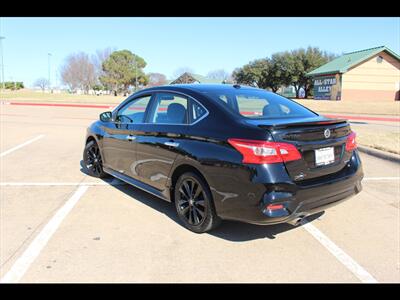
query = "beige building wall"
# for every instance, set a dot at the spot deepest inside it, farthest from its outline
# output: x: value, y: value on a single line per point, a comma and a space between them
x: 373, y: 81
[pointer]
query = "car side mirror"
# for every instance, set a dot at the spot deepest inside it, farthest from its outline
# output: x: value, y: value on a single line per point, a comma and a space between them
x: 106, y: 116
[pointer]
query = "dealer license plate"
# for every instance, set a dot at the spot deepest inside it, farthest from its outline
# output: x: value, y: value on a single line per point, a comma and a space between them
x: 324, y: 156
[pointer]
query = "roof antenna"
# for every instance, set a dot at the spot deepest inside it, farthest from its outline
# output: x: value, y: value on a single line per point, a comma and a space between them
x: 236, y: 86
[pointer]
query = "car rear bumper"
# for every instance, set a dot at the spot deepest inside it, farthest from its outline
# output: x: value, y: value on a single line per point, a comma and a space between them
x: 312, y: 200
x: 305, y: 199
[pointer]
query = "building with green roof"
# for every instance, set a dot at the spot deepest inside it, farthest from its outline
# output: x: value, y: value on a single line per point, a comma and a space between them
x: 371, y: 74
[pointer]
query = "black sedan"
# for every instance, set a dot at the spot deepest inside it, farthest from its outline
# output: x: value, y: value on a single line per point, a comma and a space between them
x: 226, y: 152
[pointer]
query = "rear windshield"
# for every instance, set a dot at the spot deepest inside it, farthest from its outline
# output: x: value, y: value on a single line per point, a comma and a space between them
x: 259, y: 104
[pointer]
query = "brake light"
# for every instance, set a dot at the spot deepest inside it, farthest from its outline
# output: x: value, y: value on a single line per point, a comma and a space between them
x: 263, y: 152
x: 274, y: 207
x: 351, y: 142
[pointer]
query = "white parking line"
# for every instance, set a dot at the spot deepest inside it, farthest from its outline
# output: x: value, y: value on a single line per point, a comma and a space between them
x: 381, y: 178
x: 25, y: 260
x: 22, y: 264
x: 21, y: 145
x: 117, y: 182
x: 340, y: 255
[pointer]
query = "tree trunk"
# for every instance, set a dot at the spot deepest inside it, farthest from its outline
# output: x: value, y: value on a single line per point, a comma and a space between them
x: 306, y: 90
x: 297, y: 89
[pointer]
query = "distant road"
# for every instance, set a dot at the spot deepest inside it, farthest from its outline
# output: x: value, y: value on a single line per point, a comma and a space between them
x: 349, y: 117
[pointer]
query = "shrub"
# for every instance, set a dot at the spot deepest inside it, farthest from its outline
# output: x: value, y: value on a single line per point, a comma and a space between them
x: 14, y: 85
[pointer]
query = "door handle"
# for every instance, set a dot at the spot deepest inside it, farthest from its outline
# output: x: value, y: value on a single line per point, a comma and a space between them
x: 130, y: 137
x: 171, y: 144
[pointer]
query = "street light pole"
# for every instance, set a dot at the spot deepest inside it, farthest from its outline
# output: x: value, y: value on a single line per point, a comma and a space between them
x: 135, y: 74
x: 2, y: 62
x: 48, y: 56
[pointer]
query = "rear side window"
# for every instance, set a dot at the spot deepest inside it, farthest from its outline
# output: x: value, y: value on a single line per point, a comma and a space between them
x: 169, y: 109
x: 134, y: 111
x: 260, y: 104
x: 198, y: 111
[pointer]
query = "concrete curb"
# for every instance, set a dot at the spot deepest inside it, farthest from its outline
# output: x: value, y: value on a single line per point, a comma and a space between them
x: 379, y: 153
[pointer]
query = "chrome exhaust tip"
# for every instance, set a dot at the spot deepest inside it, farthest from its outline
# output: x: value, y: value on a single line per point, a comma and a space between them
x: 297, y: 221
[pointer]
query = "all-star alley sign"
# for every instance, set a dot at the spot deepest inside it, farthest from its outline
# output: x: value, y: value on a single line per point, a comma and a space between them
x: 323, y: 87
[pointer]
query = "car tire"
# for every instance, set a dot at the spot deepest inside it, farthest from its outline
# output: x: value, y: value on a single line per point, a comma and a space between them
x: 195, y: 208
x: 92, y: 160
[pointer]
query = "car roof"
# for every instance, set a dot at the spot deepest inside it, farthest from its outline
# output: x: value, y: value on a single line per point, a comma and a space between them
x: 200, y: 87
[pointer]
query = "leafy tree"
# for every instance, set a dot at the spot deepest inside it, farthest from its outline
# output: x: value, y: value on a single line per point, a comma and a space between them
x: 13, y: 85
x: 98, y: 87
x: 261, y: 73
x: 286, y: 69
x: 273, y: 78
x: 121, y: 69
x: 250, y: 74
x: 42, y: 83
x: 283, y: 69
x: 308, y: 60
x: 294, y: 65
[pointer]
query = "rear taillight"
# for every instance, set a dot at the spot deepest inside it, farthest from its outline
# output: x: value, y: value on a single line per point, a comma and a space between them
x: 351, y: 142
x: 274, y: 207
x: 263, y: 152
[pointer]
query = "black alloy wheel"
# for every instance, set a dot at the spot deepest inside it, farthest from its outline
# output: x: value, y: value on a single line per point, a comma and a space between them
x: 92, y: 160
x: 194, y: 203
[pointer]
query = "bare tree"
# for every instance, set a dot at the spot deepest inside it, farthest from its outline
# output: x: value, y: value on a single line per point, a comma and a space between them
x: 219, y: 74
x: 156, y: 79
x: 79, y: 72
x: 178, y: 72
x: 42, y: 83
x: 99, y: 58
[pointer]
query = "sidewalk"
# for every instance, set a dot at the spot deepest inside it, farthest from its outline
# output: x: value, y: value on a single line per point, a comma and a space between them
x: 363, y: 117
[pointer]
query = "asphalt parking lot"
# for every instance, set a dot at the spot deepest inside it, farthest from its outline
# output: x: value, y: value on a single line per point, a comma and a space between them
x: 59, y: 225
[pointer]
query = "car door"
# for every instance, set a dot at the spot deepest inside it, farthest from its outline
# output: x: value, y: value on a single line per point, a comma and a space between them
x: 158, y: 141
x: 119, y: 143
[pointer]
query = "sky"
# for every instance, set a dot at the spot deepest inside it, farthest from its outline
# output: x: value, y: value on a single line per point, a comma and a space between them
x: 167, y: 44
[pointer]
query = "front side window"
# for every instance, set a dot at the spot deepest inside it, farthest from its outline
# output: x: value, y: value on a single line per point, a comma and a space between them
x: 134, y: 111
x: 260, y: 104
x: 169, y: 109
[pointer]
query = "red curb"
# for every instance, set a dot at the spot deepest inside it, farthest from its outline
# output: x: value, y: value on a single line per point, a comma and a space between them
x: 62, y: 105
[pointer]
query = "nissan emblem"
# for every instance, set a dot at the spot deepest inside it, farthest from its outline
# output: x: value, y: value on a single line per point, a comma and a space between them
x: 327, y: 133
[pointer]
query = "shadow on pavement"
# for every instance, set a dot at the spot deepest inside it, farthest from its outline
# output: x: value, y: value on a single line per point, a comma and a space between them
x: 240, y: 232
x: 228, y: 230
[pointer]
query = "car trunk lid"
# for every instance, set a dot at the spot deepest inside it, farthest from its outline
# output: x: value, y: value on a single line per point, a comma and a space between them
x: 320, y: 141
